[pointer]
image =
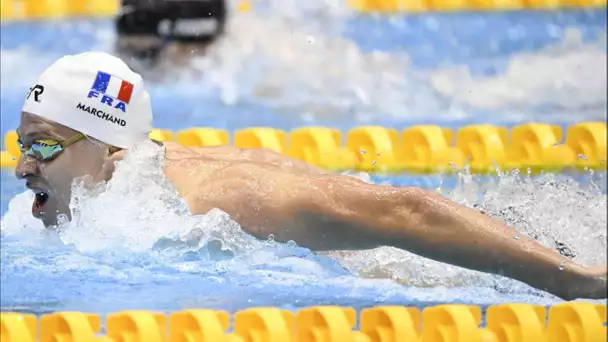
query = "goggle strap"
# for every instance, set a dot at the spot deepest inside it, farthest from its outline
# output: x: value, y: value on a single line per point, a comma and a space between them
x: 72, y: 140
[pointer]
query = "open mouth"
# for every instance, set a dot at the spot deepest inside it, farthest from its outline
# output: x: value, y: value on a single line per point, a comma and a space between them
x: 45, y: 204
x: 41, y: 198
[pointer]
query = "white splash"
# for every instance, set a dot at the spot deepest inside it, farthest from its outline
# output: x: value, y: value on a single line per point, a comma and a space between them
x: 570, y: 75
x: 134, y: 210
x: 293, y: 57
x: 564, y: 215
x: 138, y: 208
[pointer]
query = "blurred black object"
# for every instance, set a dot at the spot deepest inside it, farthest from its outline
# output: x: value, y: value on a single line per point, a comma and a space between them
x: 147, y: 26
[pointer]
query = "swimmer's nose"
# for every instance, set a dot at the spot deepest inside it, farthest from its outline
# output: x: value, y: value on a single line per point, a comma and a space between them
x: 27, y: 167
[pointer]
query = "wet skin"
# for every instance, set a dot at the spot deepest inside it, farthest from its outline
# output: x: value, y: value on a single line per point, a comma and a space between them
x: 268, y: 193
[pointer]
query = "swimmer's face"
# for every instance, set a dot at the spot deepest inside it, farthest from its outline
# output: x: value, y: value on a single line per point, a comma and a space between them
x: 48, y: 173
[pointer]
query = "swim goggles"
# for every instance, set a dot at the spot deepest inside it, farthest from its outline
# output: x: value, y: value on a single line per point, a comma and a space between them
x: 48, y: 149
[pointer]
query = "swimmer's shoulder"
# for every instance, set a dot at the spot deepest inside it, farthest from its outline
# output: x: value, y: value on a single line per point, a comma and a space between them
x: 198, y: 163
x: 172, y: 147
x: 227, y: 155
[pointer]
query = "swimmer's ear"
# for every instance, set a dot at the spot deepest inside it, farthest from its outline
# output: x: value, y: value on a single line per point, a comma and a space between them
x: 115, y: 155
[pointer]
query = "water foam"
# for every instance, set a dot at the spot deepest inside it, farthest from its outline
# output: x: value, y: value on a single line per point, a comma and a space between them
x: 293, y: 56
x: 140, y: 212
x: 567, y: 77
x: 149, y: 209
x: 562, y: 214
x: 298, y: 61
x: 137, y: 230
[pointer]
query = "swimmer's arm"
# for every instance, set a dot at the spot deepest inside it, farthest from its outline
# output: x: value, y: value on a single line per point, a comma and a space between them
x: 354, y: 214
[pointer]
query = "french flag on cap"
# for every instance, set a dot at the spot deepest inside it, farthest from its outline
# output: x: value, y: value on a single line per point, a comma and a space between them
x: 113, y: 86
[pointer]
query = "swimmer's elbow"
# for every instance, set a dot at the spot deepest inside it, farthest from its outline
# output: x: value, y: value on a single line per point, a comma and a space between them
x: 328, y: 217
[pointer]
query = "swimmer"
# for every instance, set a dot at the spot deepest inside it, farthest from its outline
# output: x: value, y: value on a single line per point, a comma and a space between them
x: 151, y: 33
x: 86, y: 111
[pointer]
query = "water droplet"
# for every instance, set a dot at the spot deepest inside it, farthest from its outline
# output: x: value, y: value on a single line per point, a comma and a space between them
x: 378, y: 154
x: 562, y: 267
x: 373, y: 163
x: 362, y: 151
x: 270, y: 238
x: 516, y: 237
x: 62, y: 219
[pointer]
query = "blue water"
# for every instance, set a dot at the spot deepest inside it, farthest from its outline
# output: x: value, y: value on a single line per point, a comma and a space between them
x: 430, y: 41
x: 40, y: 274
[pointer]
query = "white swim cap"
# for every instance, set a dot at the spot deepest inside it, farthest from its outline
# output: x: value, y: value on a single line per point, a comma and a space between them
x: 96, y: 94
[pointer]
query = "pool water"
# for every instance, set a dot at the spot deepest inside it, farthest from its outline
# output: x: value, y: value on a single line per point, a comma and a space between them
x: 288, y: 67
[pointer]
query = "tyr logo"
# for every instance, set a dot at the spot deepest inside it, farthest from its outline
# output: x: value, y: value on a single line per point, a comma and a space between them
x: 37, y: 90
